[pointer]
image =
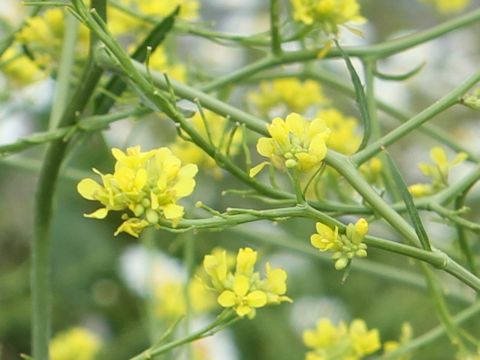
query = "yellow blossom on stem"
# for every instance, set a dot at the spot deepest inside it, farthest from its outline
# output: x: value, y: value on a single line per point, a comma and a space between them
x: 328, y: 14
x: 290, y: 94
x: 74, y: 344
x: 213, y: 127
x: 438, y: 172
x: 344, y: 246
x: 170, y: 302
x: 294, y: 143
x: 145, y: 186
x: 330, y: 342
x: 239, y: 287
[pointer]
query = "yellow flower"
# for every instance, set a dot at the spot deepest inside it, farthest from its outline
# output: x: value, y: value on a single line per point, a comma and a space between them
x: 344, y: 246
x: 290, y: 93
x: 449, y: 6
x: 295, y: 143
x: 147, y: 184
x: 242, y: 289
x: 328, y: 14
x: 43, y: 36
x: 364, y: 341
x: 324, y: 335
x: 74, y: 344
x: 344, y: 136
x: 170, y: 301
x: 438, y: 172
x: 19, y: 68
x: 217, y: 133
x: 241, y: 297
x: 330, y: 342
x: 275, y: 285
x: 325, y: 238
x: 188, y: 8
x: 216, y: 267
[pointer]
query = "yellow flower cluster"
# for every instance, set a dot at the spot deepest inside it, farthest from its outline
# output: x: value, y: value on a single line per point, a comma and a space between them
x: 43, y: 36
x: 449, y: 6
x: 18, y: 68
x: 243, y: 289
x: 328, y: 14
x: 342, y: 342
x: 122, y: 23
x: 295, y: 143
x: 170, y: 302
x: 74, y: 344
x: 217, y: 133
x: 344, y: 246
x: 290, y: 94
x: 437, y: 172
x: 148, y: 184
x: 344, y: 136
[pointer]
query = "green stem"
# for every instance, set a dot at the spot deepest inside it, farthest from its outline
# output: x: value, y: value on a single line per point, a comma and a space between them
x: 369, y: 267
x: 209, y: 330
x: 462, y: 236
x: 275, y: 27
x: 67, y: 60
x: 432, y: 335
x: 40, y: 252
x: 90, y: 124
x: 369, y: 67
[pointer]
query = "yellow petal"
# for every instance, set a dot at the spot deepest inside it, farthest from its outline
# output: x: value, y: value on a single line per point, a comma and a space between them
x: 188, y: 171
x: 227, y: 298
x: 172, y: 211
x: 118, y: 154
x: 439, y: 156
x: 324, y: 230
x: 246, y: 260
x: 256, y: 299
x: 88, y: 188
x: 184, y: 187
x: 98, y: 214
x: 296, y: 124
x: 265, y: 147
x: 257, y: 168
x: 241, y: 284
x: 141, y: 179
x: 277, y: 280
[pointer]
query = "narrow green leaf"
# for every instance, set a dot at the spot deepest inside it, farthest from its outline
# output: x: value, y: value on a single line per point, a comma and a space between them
x: 408, y: 200
x: 400, y: 77
x: 117, y: 85
x: 359, y: 97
